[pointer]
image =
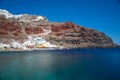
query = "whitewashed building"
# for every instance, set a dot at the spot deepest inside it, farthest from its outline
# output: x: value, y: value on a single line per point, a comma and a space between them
x: 3, y: 46
x: 15, y: 44
x: 39, y: 40
x: 29, y: 44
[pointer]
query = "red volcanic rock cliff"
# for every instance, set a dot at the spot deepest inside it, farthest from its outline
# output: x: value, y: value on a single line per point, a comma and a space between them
x: 68, y: 34
x: 13, y: 27
x: 33, y: 30
x: 60, y: 27
x: 37, y: 30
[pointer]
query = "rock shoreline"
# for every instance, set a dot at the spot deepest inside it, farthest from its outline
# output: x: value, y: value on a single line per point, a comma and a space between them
x: 117, y: 47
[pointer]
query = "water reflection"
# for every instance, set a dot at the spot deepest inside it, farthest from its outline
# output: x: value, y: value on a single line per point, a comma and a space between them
x: 60, y: 65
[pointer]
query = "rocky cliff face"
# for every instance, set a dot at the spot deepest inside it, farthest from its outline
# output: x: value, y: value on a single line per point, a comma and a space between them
x: 65, y: 34
x: 70, y: 35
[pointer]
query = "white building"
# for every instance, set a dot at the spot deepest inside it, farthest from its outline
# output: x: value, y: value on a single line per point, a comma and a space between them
x: 28, y: 43
x: 50, y: 45
x: 3, y: 46
x: 15, y: 44
x: 39, y: 40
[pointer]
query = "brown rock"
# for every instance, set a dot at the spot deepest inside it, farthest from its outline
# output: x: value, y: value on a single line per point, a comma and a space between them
x: 28, y: 30
x: 65, y: 26
x: 37, y: 30
x: 3, y: 32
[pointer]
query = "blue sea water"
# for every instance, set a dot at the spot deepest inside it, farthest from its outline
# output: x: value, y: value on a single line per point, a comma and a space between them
x: 73, y: 64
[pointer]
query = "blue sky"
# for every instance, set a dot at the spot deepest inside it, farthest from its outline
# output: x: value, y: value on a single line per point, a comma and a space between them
x: 102, y: 15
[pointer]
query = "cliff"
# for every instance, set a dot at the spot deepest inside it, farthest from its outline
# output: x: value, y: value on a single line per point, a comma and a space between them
x: 66, y: 34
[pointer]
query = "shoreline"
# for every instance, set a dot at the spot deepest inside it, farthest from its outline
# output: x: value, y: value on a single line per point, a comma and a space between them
x: 16, y: 50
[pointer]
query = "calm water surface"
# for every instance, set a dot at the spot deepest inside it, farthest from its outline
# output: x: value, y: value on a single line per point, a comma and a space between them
x: 74, y: 64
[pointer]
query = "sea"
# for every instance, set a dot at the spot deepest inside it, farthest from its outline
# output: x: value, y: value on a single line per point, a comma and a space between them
x: 64, y: 64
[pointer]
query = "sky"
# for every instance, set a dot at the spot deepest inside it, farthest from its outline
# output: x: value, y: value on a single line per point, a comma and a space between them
x: 101, y: 15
